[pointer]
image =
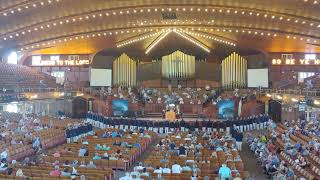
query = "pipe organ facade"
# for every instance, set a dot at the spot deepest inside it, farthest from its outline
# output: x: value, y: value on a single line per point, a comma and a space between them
x: 178, y: 65
x: 124, y: 71
x: 234, y: 72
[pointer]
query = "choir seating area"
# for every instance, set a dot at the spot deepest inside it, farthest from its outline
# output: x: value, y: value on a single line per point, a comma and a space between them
x: 18, y: 76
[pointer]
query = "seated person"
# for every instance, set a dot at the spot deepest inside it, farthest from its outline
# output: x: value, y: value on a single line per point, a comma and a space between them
x: 82, y: 164
x: 3, y: 165
x: 56, y: 171
x: 113, y: 157
x: 139, y: 167
x: 91, y: 165
x: 144, y: 173
x: 66, y: 163
x: 114, y: 134
x: 82, y: 152
x: 4, y: 154
x: 166, y: 170
x: 186, y: 168
x: 105, y: 148
x: 176, y: 168
x: 164, y: 160
x: 85, y: 142
x: 158, y: 170
x: 105, y: 135
x: 137, y: 144
x: 149, y: 167
x: 19, y: 173
x: 124, y: 144
x: 182, y: 150
x: 98, y: 147
x: 118, y: 153
x: 96, y: 156
x: 117, y: 143
x: 66, y: 172
x: 105, y: 155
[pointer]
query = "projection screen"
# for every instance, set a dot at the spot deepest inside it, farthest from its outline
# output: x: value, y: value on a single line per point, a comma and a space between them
x: 100, y: 77
x: 258, y: 78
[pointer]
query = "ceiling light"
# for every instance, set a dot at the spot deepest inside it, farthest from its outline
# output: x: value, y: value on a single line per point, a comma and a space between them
x: 153, y: 44
x: 193, y: 41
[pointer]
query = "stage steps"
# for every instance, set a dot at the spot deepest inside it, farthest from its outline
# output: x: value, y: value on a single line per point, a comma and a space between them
x: 190, y: 116
x: 154, y: 115
x: 187, y: 116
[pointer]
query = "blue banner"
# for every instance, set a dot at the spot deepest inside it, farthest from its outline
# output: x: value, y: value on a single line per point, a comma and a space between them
x: 120, y: 107
x: 226, y: 109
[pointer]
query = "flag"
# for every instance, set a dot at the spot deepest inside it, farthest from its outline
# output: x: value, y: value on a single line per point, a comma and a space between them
x: 239, y: 107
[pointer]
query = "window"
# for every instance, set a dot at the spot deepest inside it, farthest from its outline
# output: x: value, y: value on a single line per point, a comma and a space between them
x: 13, y: 58
x: 36, y: 60
x: 54, y: 58
x: 303, y: 75
x: 59, y: 75
x: 286, y: 56
x: 310, y: 56
x: 12, y: 107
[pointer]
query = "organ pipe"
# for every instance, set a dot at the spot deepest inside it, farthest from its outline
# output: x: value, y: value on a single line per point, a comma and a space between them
x: 124, y: 71
x: 234, y: 72
x: 178, y: 65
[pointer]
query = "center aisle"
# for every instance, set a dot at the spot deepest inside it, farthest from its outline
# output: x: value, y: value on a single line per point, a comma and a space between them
x: 250, y: 163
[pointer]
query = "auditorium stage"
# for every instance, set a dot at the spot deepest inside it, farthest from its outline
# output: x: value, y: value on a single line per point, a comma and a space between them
x: 185, y: 119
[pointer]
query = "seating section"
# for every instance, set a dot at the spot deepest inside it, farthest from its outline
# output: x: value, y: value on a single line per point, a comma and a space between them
x: 312, y: 170
x: 128, y: 154
x: 18, y: 134
x: 314, y: 80
x: 198, y: 156
x: 18, y: 76
x: 53, y: 122
x: 42, y: 171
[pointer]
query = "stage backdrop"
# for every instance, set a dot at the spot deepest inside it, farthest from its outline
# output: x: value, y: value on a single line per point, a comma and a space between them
x: 120, y: 107
x: 226, y: 109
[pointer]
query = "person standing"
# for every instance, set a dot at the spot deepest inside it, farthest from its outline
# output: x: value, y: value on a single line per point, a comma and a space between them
x: 225, y: 172
x: 239, y: 138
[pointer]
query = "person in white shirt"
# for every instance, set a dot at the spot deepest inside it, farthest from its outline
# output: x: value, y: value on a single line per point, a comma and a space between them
x: 176, y: 168
x: 140, y: 167
x: 166, y: 170
x: 3, y: 166
x: 126, y: 177
x: 4, y: 154
x: 186, y: 168
x: 158, y: 170
x: 145, y: 173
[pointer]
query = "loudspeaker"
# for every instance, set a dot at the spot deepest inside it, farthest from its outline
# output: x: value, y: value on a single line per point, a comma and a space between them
x: 275, y: 108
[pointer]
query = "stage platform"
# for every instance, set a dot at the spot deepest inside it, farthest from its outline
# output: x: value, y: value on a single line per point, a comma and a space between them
x: 185, y: 119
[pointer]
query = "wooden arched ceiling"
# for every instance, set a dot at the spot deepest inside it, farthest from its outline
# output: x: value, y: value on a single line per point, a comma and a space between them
x: 88, y: 26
